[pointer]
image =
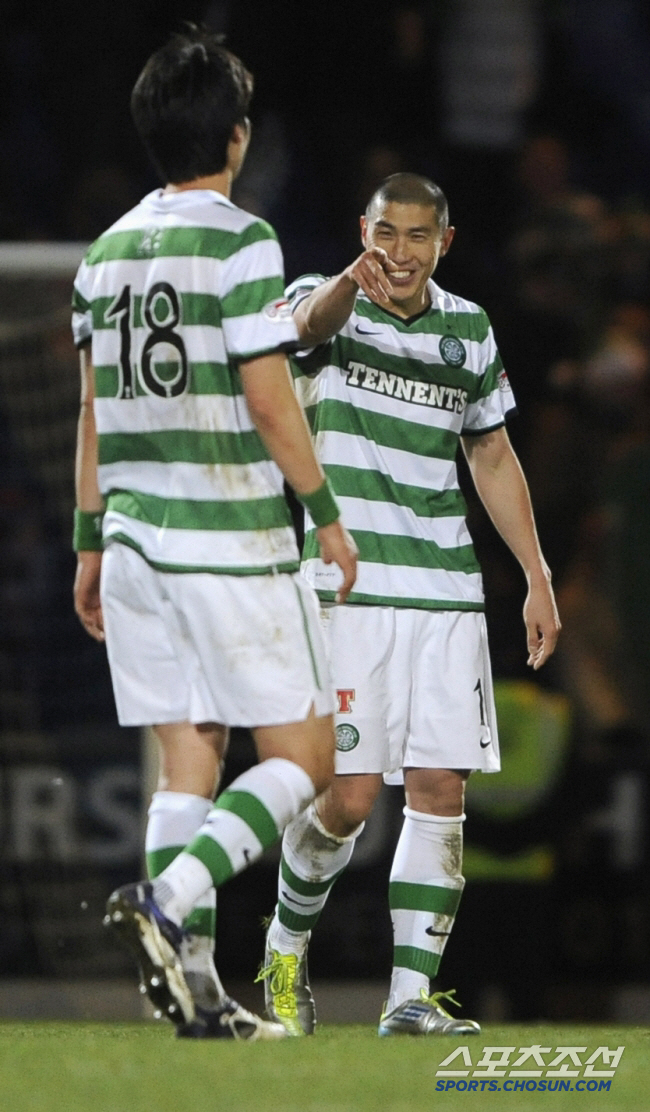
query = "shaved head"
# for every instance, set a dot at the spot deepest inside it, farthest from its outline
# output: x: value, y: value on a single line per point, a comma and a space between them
x: 410, y: 189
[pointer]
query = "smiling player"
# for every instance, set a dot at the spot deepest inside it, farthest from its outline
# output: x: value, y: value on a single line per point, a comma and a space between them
x: 396, y: 373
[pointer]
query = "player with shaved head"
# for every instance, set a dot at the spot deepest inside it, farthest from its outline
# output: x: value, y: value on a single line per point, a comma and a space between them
x: 395, y: 374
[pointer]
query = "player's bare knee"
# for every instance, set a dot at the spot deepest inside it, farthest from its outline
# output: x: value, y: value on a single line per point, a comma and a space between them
x: 436, y: 791
x: 348, y: 802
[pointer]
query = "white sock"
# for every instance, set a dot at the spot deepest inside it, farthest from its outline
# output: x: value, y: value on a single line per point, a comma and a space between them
x: 424, y: 890
x: 174, y: 819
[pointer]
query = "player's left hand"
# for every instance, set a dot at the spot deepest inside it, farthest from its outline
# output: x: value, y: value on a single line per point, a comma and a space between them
x: 86, y: 593
x: 542, y: 623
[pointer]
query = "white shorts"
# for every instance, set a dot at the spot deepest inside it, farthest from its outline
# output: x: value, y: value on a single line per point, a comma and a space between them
x: 239, y: 650
x: 414, y: 689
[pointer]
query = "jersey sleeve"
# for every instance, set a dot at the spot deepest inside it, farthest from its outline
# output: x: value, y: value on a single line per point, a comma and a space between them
x: 494, y: 400
x: 82, y: 317
x: 307, y: 361
x: 256, y: 317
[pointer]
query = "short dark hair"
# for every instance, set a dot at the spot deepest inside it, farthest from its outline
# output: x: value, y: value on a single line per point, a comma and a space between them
x: 410, y: 189
x: 186, y: 102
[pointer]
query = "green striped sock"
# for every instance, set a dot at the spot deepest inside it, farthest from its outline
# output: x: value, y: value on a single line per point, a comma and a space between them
x: 312, y: 860
x: 249, y: 817
x: 424, y: 893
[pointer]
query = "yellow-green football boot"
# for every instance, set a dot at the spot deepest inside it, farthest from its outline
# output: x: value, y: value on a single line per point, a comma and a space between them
x: 287, y: 994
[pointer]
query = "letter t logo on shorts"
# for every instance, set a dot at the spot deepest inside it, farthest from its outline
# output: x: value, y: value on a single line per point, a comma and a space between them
x: 345, y: 697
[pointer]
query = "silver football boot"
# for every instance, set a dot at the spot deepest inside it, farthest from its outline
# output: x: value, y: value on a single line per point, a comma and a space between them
x: 426, y: 1016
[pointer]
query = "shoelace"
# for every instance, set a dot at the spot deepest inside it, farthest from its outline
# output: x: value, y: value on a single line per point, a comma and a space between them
x: 436, y: 997
x: 281, y: 973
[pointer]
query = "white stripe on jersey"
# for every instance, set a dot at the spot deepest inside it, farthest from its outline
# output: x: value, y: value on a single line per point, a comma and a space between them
x: 393, y: 581
x: 204, y: 548
x: 262, y: 259
x: 387, y: 519
x: 350, y: 450
x: 253, y: 333
x: 149, y: 413
x: 197, y: 481
x: 203, y: 343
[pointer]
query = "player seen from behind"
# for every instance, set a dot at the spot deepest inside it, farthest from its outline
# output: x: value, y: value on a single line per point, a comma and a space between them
x: 187, y: 560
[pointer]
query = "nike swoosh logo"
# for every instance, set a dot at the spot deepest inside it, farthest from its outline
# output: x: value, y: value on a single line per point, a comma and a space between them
x: 296, y: 902
x: 433, y: 933
x: 484, y: 744
x: 365, y: 331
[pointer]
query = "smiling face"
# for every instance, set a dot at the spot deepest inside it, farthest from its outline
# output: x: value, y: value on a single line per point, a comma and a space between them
x: 412, y: 239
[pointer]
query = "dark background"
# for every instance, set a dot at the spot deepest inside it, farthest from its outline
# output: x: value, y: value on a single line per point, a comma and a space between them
x: 534, y: 117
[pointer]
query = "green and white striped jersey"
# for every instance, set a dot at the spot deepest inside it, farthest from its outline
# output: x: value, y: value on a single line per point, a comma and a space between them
x: 173, y: 297
x: 388, y: 400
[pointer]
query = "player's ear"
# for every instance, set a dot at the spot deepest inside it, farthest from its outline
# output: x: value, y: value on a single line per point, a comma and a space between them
x: 238, y: 145
x: 445, y: 242
x: 364, y: 230
x: 241, y: 133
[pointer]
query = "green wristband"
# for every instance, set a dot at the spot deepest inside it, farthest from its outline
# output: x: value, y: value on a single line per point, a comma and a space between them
x: 322, y: 505
x: 87, y: 535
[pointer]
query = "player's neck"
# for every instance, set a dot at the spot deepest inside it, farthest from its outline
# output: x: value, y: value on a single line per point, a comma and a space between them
x: 412, y: 307
x: 220, y: 183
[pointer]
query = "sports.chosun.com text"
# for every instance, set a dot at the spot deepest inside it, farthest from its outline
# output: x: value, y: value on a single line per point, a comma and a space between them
x: 564, y: 1069
x: 512, y: 1086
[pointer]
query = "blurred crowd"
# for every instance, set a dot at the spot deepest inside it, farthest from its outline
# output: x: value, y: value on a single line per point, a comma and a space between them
x: 534, y: 117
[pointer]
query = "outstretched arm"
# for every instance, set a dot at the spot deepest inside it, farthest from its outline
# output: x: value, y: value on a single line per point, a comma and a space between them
x: 89, y: 500
x: 324, y: 312
x: 502, y: 488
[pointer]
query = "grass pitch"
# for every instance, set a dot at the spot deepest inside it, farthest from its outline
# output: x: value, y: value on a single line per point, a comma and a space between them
x: 84, y: 1067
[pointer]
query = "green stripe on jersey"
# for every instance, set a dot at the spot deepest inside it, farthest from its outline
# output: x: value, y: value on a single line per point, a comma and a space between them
x: 197, y: 308
x: 203, y: 378
x: 180, y: 513
x: 359, y: 351
x: 384, y: 429
x: 181, y: 446
x: 361, y: 599
x: 375, y: 486
x: 247, y: 297
x: 79, y: 303
x: 437, y: 322
x: 139, y: 243
x: 491, y: 377
x: 402, y: 551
